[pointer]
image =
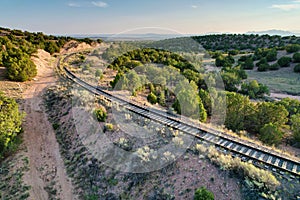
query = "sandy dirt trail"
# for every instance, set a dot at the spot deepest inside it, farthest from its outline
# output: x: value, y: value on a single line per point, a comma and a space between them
x: 46, y: 164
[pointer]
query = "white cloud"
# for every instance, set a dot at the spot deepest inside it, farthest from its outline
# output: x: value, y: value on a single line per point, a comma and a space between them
x: 100, y: 4
x: 286, y: 7
x: 194, y: 6
x: 71, y: 4
x: 296, y: 1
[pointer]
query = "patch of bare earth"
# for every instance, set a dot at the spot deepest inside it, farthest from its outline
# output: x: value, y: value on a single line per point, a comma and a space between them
x: 192, y: 172
x: 47, y: 175
x: 74, y: 46
x: 94, y: 179
x: 282, y: 96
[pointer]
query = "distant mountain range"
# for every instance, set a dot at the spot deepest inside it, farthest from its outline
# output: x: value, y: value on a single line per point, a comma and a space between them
x: 274, y: 32
x: 157, y: 36
x: 130, y: 37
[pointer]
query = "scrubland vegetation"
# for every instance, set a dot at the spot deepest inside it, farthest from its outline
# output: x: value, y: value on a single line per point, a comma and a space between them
x: 146, y: 71
x: 17, y: 47
x: 269, y: 121
x: 10, y: 126
x: 173, y: 80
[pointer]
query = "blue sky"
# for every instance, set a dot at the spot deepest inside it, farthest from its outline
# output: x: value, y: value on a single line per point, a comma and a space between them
x: 114, y: 16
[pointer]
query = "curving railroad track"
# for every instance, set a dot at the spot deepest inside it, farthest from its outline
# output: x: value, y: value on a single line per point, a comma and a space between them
x: 250, y: 152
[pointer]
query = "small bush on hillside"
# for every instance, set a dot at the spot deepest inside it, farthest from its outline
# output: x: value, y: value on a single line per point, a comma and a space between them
x: 109, y: 127
x: 248, y: 64
x: 284, y: 61
x: 272, y: 55
x: 261, y: 61
x: 100, y: 114
x: 99, y: 73
x: 233, y: 52
x: 222, y: 61
x: 254, y: 89
x: 292, y: 48
x: 152, y: 98
x: 270, y: 134
x: 263, y: 67
x: 296, y: 57
x: 243, y: 58
x: 297, y: 68
x: 275, y: 66
x: 19, y: 65
x: 203, y: 194
x: 52, y: 47
x: 295, y: 127
x: 10, y: 123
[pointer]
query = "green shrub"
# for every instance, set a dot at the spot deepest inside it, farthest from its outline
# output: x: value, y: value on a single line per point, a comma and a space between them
x: 243, y: 58
x: 222, y: 61
x: 261, y: 61
x: 55, y: 126
x: 52, y: 47
x: 297, y: 68
x: 254, y: 89
x: 248, y: 64
x: 233, y: 52
x: 109, y: 127
x: 10, y: 124
x: 113, y: 182
x: 263, y: 67
x: 284, y: 61
x: 292, y: 48
x: 270, y: 134
x: 100, y: 114
x: 272, y: 55
x: 296, y: 57
x: 203, y: 194
x: 98, y: 73
x: 91, y: 197
x: 152, y: 98
x: 295, y: 119
x: 19, y: 65
x: 86, y: 67
x: 275, y: 66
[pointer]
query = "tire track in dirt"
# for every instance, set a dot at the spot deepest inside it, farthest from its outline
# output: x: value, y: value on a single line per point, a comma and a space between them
x: 47, y: 174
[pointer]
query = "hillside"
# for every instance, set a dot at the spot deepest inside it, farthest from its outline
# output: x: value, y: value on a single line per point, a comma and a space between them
x: 67, y: 132
x: 244, y: 42
x: 142, y: 75
x: 33, y: 169
x: 17, y: 47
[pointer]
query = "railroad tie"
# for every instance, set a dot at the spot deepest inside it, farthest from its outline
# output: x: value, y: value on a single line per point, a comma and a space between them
x: 248, y: 152
x: 284, y: 164
x: 254, y: 154
x: 236, y: 147
x: 269, y: 159
x: 294, y: 168
x: 230, y: 145
x: 261, y: 156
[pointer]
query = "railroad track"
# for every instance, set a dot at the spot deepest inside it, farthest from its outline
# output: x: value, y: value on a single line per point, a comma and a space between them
x: 258, y: 155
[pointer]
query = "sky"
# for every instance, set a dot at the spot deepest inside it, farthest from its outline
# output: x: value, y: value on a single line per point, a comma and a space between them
x: 63, y: 17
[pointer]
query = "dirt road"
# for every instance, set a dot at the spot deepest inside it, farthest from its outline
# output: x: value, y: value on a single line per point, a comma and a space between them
x: 47, y: 175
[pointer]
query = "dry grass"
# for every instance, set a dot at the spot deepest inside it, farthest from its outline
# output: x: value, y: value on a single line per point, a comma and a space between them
x: 253, y: 141
x: 180, y: 179
x: 235, y: 164
x: 283, y: 80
